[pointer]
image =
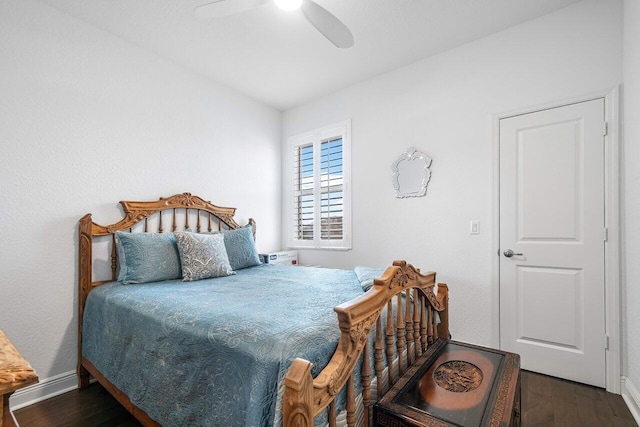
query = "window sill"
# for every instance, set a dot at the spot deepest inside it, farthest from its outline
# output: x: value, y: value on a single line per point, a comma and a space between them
x: 313, y: 248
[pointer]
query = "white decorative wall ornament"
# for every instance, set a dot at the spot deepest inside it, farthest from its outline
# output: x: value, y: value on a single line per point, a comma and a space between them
x: 411, y: 174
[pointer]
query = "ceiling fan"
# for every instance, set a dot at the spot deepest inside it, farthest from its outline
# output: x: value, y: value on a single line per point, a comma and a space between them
x: 324, y: 21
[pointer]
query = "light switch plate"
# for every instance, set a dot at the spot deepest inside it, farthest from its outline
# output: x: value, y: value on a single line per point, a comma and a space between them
x: 474, y: 227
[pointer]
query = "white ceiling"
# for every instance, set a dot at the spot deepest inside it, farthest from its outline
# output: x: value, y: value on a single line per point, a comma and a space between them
x: 278, y: 58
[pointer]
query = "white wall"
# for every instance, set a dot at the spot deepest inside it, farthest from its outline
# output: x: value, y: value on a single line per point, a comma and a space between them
x: 445, y: 106
x: 631, y: 164
x: 86, y: 120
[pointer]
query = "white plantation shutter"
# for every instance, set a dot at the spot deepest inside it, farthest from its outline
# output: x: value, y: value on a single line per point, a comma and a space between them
x: 320, y: 188
x: 331, y: 194
x: 303, y: 200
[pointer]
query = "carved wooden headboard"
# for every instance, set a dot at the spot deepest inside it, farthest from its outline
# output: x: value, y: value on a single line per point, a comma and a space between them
x: 184, y: 211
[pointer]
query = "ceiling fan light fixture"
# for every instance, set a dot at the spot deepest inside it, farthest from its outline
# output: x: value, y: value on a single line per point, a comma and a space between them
x: 288, y: 5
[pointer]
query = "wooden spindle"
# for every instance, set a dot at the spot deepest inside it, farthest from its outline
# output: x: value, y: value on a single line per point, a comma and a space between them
x: 408, y: 321
x: 146, y: 225
x: 416, y: 324
x: 332, y: 414
x: 186, y: 218
x: 114, y: 257
x: 423, y: 323
x: 429, y: 325
x: 389, y: 336
x: 378, y: 360
x: 174, y: 224
x: 366, y: 382
x: 160, y: 229
x: 400, y: 342
x: 198, y: 223
x: 351, y: 402
x: 209, y: 229
x: 435, y: 325
x: 219, y: 225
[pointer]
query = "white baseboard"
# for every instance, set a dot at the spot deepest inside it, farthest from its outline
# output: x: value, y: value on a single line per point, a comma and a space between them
x: 631, y: 397
x: 45, y: 389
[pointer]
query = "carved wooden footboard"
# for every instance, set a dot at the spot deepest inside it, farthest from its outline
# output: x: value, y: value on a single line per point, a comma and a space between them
x: 408, y: 335
x: 403, y: 336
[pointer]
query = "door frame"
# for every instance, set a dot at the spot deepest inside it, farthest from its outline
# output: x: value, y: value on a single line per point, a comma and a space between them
x: 611, y: 217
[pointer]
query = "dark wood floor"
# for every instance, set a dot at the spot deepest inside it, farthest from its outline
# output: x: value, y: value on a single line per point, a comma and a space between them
x: 546, y: 402
x: 91, y: 407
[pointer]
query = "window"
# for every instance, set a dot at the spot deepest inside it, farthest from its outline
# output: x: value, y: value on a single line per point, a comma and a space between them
x: 320, y: 197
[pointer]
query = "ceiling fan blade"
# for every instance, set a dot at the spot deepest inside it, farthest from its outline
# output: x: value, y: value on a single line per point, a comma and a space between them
x: 222, y: 8
x: 328, y: 25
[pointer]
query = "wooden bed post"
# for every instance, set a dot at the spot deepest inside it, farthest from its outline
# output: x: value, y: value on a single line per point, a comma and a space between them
x: 443, y: 298
x: 297, y: 406
x: 84, y: 286
x: 252, y: 223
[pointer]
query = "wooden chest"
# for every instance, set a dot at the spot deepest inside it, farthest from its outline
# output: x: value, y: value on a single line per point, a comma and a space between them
x: 455, y: 384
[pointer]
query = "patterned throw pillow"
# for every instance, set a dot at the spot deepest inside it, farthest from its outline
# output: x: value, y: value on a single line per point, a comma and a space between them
x: 147, y: 257
x: 202, y: 256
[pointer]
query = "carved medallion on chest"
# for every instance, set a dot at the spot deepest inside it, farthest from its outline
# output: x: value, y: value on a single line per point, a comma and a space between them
x: 458, y: 376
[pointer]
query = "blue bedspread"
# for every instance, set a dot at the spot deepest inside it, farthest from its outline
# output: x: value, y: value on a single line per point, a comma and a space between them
x: 214, y: 352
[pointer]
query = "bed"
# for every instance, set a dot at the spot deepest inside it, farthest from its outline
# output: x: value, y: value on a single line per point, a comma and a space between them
x: 260, y: 346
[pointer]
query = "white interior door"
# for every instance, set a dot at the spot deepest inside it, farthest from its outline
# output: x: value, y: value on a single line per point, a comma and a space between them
x: 552, y: 220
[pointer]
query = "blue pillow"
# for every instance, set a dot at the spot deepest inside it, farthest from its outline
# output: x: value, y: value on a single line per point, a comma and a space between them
x: 147, y: 257
x: 366, y: 276
x: 241, y: 248
x: 202, y: 256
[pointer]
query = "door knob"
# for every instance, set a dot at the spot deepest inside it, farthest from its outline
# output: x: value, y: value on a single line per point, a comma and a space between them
x: 509, y: 253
